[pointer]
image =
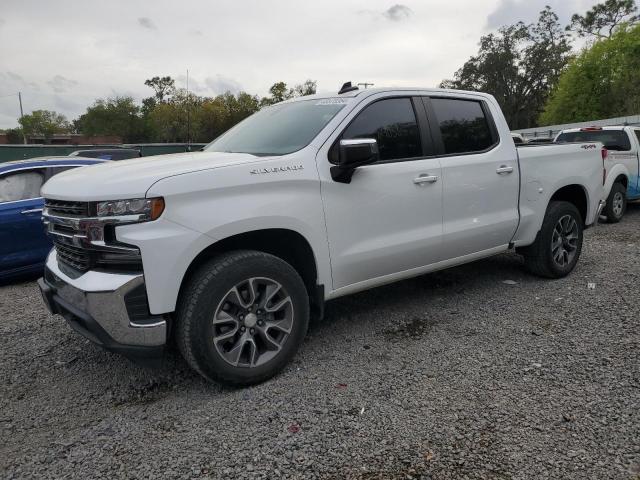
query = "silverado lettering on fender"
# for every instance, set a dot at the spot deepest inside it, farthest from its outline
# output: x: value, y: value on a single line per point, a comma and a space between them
x: 373, y: 186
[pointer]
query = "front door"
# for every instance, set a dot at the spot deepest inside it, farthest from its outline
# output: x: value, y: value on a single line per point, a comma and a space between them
x: 23, y: 241
x: 389, y: 218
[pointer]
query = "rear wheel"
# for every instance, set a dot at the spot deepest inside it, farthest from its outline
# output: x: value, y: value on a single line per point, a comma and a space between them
x: 558, y: 245
x: 616, y: 203
x: 242, y: 317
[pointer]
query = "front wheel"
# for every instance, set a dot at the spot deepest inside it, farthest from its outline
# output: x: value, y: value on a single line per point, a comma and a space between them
x: 556, y: 250
x: 616, y: 203
x: 241, y: 317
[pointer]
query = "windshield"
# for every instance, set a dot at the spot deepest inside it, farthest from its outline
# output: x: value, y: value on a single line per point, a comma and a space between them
x: 612, y: 139
x: 279, y: 129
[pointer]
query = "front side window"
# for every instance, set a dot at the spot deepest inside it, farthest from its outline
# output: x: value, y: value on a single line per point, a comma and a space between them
x: 638, y: 135
x: 463, y: 125
x: 393, y: 124
x: 279, y: 129
x: 21, y: 185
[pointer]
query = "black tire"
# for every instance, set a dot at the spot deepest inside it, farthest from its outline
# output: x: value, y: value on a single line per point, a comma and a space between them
x: 616, y: 203
x: 539, y: 257
x: 201, y: 299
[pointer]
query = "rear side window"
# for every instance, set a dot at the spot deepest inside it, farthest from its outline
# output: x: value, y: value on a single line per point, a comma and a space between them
x: 393, y: 124
x: 638, y: 135
x: 21, y: 185
x: 463, y: 125
x: 612, y: 139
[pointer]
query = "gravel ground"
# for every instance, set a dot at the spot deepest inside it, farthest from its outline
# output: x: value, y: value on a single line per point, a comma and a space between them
x: 451, y: 375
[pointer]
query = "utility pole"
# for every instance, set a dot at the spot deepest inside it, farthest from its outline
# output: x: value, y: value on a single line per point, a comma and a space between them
x: 24, y: 137
x: 366, y: 85
x: 188, y: 115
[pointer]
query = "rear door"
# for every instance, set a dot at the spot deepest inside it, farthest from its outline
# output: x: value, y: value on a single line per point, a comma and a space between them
x: 480, y: 176
x: 22, y: 238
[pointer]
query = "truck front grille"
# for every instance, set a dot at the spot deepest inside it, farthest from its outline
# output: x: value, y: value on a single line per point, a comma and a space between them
x: 77, y: 258
x: 60, y: 207
x: 84, y: 242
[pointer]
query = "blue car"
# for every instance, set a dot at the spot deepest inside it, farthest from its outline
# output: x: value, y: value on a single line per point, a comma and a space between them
x: 23, y: 243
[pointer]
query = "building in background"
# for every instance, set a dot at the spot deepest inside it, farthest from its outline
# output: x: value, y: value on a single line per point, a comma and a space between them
x: 68, y: 139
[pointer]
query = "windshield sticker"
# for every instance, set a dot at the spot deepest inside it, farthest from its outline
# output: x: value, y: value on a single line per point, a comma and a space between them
x: 332, y: 101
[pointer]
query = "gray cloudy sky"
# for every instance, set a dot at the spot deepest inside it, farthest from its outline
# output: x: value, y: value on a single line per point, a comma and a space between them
x: 64, y: 54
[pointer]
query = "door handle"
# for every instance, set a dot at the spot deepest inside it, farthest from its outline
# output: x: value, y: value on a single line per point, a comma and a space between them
x: 425, y: 179
x: 504, y: 169
x: 33, y: 210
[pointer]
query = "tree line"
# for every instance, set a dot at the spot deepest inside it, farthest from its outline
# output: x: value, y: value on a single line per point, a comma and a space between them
x: 537, y: 79
x: 170, y: 114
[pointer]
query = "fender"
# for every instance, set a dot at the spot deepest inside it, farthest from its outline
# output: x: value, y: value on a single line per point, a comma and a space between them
x: 532, y: 215
x: 316, y: 239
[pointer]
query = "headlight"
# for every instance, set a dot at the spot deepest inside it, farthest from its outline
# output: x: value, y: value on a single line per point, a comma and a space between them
x: 146, y: 208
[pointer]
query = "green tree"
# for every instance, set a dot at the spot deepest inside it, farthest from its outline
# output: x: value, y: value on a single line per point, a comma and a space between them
x: 176, y: 119
x: 113, y: 116
x: 163, y: 87
x: 211, y: 119
x: 45, y: 123
x: 14, y: 135
x: 604, y: 18
x: 519, y: 65
x: 280, y: 92
x: 602, y: 82
x: 307, y: 88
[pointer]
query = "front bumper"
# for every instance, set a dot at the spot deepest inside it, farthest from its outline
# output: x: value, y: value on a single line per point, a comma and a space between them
x: 110, y: 309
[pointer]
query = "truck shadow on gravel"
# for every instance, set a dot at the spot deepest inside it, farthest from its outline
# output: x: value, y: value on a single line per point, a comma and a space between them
x: 416, y: 297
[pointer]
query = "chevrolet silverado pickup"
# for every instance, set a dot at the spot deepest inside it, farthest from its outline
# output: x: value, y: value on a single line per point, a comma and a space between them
x: 622, y: 163
x: 228, y: 252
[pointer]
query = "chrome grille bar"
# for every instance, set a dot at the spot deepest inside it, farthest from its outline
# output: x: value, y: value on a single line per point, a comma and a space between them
x: 80, y: 241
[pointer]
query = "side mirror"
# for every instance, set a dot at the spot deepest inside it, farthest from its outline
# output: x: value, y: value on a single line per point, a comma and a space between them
x: 353, y: 154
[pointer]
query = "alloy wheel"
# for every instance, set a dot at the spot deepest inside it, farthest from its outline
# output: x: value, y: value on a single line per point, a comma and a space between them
x: 564, y: 241
x: 252, y: 322
x: 618, y: 204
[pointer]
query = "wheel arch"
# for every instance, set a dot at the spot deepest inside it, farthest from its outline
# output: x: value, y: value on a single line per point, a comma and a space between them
x: 575, y: 194
x: 618, y: 173
x: 289, y: 245
x: 623, y: 179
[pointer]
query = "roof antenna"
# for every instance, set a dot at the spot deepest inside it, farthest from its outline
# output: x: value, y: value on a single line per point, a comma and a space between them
x: 347, y: 87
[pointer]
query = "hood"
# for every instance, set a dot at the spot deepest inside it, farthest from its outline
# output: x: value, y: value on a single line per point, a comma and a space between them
x: 132, y: 178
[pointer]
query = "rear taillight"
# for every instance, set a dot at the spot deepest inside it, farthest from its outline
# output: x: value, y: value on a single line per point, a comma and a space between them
x: 605, y: 154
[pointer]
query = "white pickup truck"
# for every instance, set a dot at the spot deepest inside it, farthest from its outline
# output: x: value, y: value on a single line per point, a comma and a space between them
x: 622, y: 163
x: 229, y: 251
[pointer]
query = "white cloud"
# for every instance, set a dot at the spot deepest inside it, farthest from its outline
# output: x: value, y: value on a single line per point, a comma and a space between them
x: 220, y: 84
x: 412, y: 43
